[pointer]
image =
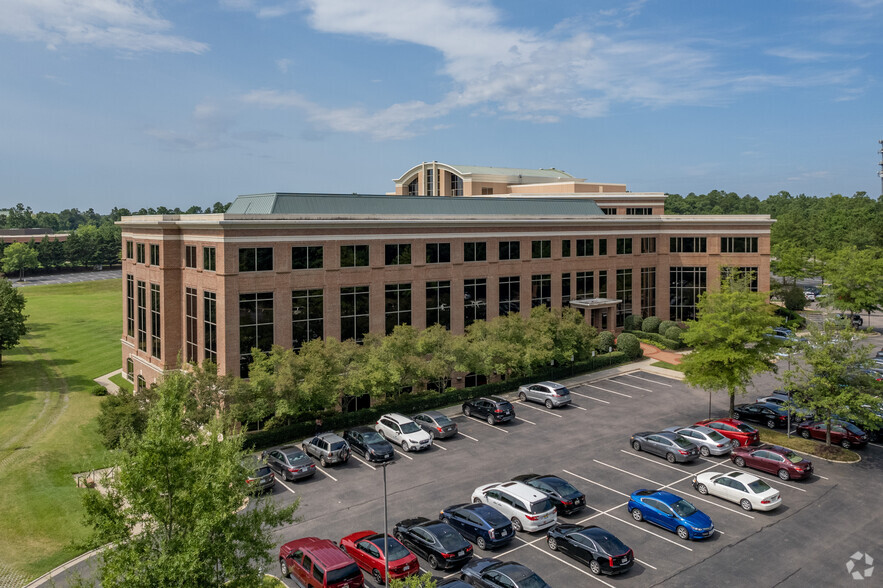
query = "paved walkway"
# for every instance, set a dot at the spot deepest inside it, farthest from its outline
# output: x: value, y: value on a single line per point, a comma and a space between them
x: 658, y: 354
x: 105, y: 381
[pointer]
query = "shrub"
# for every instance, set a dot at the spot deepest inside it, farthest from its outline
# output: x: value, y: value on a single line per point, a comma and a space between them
x: 795, y: 321
x: 674, y: 333
x: 99, y: 390
x: 657, y: 340
x: 633, y: 322
x: 650, y: 324
x: 629, y: 344
x: 120, y: 415
x: 604, y: 341
x: 793, y: 297
x: 664, y: 326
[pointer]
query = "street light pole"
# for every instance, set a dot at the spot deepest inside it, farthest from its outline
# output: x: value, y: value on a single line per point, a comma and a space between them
x: 385, y: 528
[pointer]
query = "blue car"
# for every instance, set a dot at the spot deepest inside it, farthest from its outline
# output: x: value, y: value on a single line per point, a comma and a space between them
x: 671, y: 512
x: 482, y: 524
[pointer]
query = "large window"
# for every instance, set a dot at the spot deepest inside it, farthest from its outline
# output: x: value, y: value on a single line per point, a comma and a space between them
x: 565, y: 290
x: 129, y: 250
x: 398, y: 306
x: 155, y: 322
x: 307, y: 257
x: 624, y: 246
x: 255, y: 327
x: 208, y: 259
x: 648, y: 244
x: 210, y: 326
x: 475, y: 251
x: 353, y: 256
x: 510, y: 297
x: 256, y: 259
x: 438, y: 253
x: 413, y: 189
x: 541, y: 249
x: 510, y: 250
x: 609, y: 211
x: 430, y: 184
x: 585, y: 285
x: 354, y: 308
x: 738, y: 244
x: 397, y: 254
x: 142, y: 316
x: 139, y: 253
x: 648, y: 291
x: 191, y: 325
x: 307, y: 316
x: 475, y: 300
x: 541, y: 290
x: 585, y: 247
x: 565, y: 248
x: 642, y: 210
x: 438, y: 303
x: 602, y: 284
x: 687, y: 245
x: 456, y: 185
x: 154, y: 254
x: 130, y: 305
x: 740, y: 273
x: 624, y: 294
x: 685, y: 286
x: 190, y: 256
x: 602, y: 246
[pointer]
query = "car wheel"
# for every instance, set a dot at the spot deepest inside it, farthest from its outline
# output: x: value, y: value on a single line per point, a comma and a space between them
x: 522, y: 396
x: 683, y: 533
x: 704, y: 451
x: 433, y: 561
x: 398, y: 536
x: 516, y: 524
x: 736, y: 443
x: 637, y: 514
x: 406, y: 447
x: 283, y: 568
x: 670, y: 457
x: 467, y: 411
x: 739, y: 462
x: 702, y: 489
x: 845, y: 444
x: 323, y: 461
x: 783, y: 473
x: 805, y: 434
x: 553, y: 545
x: 745, y: 504
x: 595, y: 567
x: 377, y: 577
x: 482, y: 544
x: 549, y: 404
x: 771, y: 424
x: 490, y: 420
x: 636, y: 445
x: 737, y: 416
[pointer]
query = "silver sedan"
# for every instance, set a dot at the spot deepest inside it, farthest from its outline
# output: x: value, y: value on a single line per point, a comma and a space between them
x: 549, y: 393
x: 709, y: 441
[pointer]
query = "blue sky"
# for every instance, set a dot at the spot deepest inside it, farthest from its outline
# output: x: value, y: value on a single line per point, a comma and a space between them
x: 176, y: 102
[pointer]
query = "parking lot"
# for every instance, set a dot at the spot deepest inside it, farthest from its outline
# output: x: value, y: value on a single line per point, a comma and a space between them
x: 808, y: 540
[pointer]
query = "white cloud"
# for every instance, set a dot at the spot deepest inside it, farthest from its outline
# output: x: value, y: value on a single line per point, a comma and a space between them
x: 283, y: 65
x: 129, y: 25
x: 813, y: 175
x: 212, y: 126
x: 797, y: 54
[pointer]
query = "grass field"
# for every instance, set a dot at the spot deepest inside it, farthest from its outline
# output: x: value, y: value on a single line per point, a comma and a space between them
x: 47, y: 420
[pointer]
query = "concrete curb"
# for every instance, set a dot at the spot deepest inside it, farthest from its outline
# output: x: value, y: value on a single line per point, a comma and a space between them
x: 63, y: 567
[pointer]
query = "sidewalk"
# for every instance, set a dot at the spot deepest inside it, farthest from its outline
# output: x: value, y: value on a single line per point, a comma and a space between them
x: 657, y: 354
x: 110, y: 386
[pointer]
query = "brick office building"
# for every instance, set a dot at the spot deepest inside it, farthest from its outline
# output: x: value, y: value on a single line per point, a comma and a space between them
x: 451, y: 245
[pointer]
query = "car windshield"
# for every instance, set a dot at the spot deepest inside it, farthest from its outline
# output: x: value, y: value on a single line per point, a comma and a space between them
x: 349, y: 572
x: 372, y: 437
x: 561, y: 487
x: 443, y: 421
x: 261, y: 471
x: 338, y: 445
x: 410, y: 427
x: 541, y: 506
x: 759, y: 486
x: 449, y: 538
x: 296, y: 456
x: 793, y: 457
x: 852, y: 428
x: 492, y: 516
x: 715, y: 436
x: 683, y: 508
x: 610, y: 544
x: 683, y: 443
x: 532, y: 581
x: 745, y: 428
x: 396, y: 549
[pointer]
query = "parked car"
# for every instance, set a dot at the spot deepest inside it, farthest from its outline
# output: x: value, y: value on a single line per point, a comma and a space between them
x: 436, y: 424
x: 482, y: 524
x: 741, y: 434
x: 436, y: 542
x: 367, y: 548
x: 549, y: 393
x: 781, y: 333
x: 809, y: 295
x: 369, y: 444
x: 773, y: 459
x: 597, y: 548
x: 319, y: 563
x: 749, y: 492
x: 855, y: 320
x: 671, y: 446
x: 260, y: 477
x: 671, y: 512
x: 493, y: 573
x: 452, y: 583
x: 564, y: 496
x: 399, y: 429
x: 328, y: 448
x: 709, y: 441
x: 783, y: 400
x: 492, y: 408
x: 771, y: 415
x: 527, y: 508
x: 291, y: 463
x: 842, y: 433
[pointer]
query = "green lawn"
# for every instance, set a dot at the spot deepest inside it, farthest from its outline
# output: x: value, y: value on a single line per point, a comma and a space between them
x: 47, y: 419
x: 122, y: 382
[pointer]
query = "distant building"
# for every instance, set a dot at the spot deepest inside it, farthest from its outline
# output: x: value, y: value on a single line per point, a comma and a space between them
x: 451, y: 245
x: 9, y: 236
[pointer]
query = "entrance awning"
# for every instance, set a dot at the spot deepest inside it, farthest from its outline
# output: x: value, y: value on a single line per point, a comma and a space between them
x: 590, y: 303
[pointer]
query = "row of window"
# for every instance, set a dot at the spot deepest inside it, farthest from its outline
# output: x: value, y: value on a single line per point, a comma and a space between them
x: 136, y: 297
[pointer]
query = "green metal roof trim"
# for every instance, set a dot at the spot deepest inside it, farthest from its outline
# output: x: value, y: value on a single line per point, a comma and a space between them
x: 554, y: 174
x: 410, y: 206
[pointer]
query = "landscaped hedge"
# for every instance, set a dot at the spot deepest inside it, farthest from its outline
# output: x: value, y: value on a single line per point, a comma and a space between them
x: 661, y: 341
x: 627, y: 343
x: 650, y: 324
x: 409, y: 404
x: 794, y: 320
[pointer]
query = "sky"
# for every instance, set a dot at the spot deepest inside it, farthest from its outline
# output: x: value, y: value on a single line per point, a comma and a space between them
x: 140, y: 103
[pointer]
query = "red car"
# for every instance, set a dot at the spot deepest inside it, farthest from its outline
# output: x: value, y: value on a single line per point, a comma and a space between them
x: 773, y: 459
x: 741, y: 434
x: 366, y: 547
x: 842, y: 433
x: 319, y: 563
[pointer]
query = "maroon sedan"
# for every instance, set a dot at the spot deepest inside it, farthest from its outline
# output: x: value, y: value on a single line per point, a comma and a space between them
x: 842, y: 433
x: 773, y: 459
x: 739, y: 432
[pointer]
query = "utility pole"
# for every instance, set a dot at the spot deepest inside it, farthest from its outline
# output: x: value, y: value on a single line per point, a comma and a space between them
x: 880, y: 173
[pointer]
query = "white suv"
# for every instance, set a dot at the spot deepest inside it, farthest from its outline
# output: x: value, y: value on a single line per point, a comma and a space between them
x: 528, y: 508
x: 401, y: 430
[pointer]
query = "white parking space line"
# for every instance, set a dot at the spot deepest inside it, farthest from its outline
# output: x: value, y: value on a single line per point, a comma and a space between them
x: 364, y: 462
x: 284, y: 485
x: 647, y: 531
x: 822, y: 477
x: 719, y: 531
x: 665, y: 465
x: 590, y: 397
x: 876, y: 445
x: 402, y: 454
x: 495, y: 427
x: 644, y: 563
x: 606, y: 390
x: 595, y: 483
x: 567, y: 563
x: 578, y: 406
x: 467, y: 436
x: 326, y: 473
x: 632, y: 386
x: 525, y: 420
x: 651, y: 381
x: 627, y: 472
x: 549, y: 412
x: 434, y: 444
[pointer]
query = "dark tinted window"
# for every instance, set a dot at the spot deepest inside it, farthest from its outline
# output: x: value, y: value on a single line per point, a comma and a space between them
x: 683, y: 443
x: 338, y: 445
x: 683, y: 508
x: 541, y: 506
x: 340, y: 574
x: 372, y: 437
x: 608, y: 543
x: 491, y: 515
x: 443, y: 421
x: 262, y: 471
x: 396, y: 549
x: 561, y: 487
x: 745, y: 428
x: 318, y: 573
x: 449, y: 538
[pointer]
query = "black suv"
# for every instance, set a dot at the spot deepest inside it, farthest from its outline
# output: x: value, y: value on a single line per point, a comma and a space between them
x: 492, y: 408
x: 766, y: 413
x: 564, y: 496
x: 369, y: 444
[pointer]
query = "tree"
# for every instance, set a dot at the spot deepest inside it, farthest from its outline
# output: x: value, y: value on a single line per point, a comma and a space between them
x: 171, y: 511
x: 415, y: 581
x: 854, y: 279
x: 12, y: 317
x: 17, y: 258
x: 728, y: 339
x: 789, y: 260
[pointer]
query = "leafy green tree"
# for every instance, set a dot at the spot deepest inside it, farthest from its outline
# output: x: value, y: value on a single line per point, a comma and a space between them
x: 728, y: 339
x: 436, y: 345
x: 171, y: 513
x: 789, y: 261
x: 399, y: 359
x: 13, y: 320
x: 18, y: 257
x: 122, y: 415
x: 415, y: 581
x: 629, y: 344
x: 854, y: 279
